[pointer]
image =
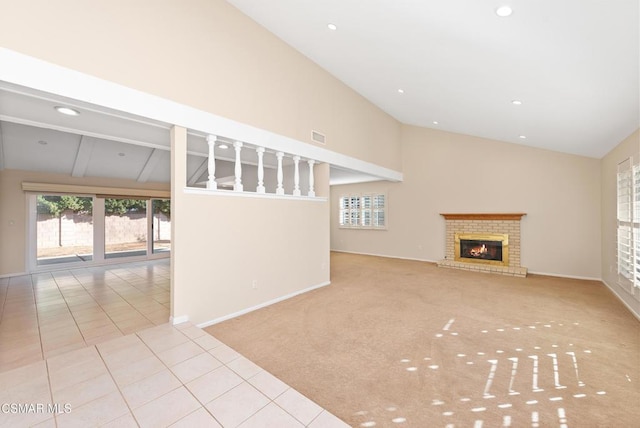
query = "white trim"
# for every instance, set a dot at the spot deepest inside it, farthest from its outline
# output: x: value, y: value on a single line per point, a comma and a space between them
x: 178, y: 320
x: 624, y: 302
x: 23, y: 70
x: 31, y: 232
x: 385, y: 256
x: 586, y: 278
x: 261, y: 305
x: 214, y: 192
x: 11, y: 275
x: 559, y: 275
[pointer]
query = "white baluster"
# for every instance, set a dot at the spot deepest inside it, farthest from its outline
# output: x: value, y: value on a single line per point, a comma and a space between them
x: 237, y: 184
x: 280, y: 189
x: 311, y: 193
x: 296, y: 176
x: 211, y: 165
x: 260, y: 188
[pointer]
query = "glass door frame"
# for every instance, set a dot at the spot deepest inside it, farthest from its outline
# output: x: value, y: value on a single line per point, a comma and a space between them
x: 98, y: 237
x: 151, y: 250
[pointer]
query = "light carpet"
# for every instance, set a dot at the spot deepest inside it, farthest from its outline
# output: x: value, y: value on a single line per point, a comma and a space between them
x: 405, y: 343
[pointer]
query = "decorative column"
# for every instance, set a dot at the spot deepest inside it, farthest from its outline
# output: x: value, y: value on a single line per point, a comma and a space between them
x: 311, y: 193
x: 260, y: 188
x: 280, y: 189
x: 296, y: 176
x: 237, y: 184
x: 211, y: 165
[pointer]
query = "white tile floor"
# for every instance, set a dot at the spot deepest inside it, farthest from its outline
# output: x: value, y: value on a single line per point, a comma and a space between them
x: 67, y: 361
x: 46, y: 314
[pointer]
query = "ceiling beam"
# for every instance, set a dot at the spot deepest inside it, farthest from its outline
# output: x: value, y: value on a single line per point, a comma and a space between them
x: 83, y: 156
x: 152, y: 163
x: 201, y: 170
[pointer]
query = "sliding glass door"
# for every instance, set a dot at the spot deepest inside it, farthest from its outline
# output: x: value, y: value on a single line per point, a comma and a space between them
x: 161, y: 225
x: 64, y: 229
x: 125, y: 227
x: 80, y: 229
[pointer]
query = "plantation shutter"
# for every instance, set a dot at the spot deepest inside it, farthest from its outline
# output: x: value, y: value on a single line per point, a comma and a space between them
x: 363, y: 211
x: 628, y: 219
x: 344, y: 211
x: 379, y: 219
x: 366, y: 210
x: 635, y: 208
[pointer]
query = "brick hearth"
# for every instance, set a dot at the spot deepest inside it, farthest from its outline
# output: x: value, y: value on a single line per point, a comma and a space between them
x: 484, y: 223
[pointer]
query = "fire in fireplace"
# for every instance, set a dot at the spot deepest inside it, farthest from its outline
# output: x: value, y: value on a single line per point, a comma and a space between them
x: 482, y: 248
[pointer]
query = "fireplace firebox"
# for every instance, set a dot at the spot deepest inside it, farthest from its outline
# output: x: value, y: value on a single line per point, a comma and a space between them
x: 482, y: 248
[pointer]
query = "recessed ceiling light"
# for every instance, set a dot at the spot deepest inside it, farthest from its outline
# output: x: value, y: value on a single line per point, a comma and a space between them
x: 42, y: 143
x: 332, y: 27
x: 523, y: 137
x: 120, y: 154
x: 504, y: 11
x: 223, y: 146
x: 516, y: 102
x: 435, y: 122
x: 67, y: 110
x: 401, y: 91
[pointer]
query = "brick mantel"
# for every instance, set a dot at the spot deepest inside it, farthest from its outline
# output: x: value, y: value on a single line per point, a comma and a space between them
x: 482, y: 216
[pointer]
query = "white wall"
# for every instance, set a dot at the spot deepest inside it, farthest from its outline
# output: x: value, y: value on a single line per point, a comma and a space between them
x: 609, y: 164
x: 223, y: 243
x: 205, y: 54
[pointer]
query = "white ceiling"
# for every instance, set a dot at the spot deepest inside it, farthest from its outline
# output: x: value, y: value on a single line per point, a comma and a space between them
x: 574, y: 64
x: 105, y: 143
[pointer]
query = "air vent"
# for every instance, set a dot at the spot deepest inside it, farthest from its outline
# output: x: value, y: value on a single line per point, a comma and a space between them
x: 317, y: 137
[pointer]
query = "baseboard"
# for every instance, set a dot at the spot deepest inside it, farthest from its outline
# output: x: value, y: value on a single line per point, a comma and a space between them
x: 178, y: 320
x: 558, y: 275
x: 385, y: 255
x: 624, y: 302
x: 587, y: 278
x: 10, y: 275
x: 262, y: 305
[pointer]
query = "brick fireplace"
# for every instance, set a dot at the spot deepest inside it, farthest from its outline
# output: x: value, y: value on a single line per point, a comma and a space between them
x: 484, y: 242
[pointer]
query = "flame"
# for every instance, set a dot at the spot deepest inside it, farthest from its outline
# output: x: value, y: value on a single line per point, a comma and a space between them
x: 478, y: 251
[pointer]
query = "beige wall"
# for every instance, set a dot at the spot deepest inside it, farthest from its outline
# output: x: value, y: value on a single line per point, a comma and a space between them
x: 222, y: 243
x: 13, y: 210
x: 206, y: 54
x: 446, y: 172
x: 609, y: 164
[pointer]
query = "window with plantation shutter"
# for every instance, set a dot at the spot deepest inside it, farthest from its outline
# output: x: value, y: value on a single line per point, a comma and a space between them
x: 628, y: 218
x: 363, y: 211
x: 379, y: 207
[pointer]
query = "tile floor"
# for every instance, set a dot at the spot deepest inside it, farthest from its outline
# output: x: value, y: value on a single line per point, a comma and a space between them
x: 46, y: 314
x: 176, y: 376
x: 92, y: 347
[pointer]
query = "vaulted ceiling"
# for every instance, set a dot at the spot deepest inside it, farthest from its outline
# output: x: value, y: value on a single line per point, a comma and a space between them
x: 573, y: 64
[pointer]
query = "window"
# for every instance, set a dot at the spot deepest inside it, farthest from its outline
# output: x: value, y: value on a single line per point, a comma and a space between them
x: 363, y: 211
x: 629, y: 223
